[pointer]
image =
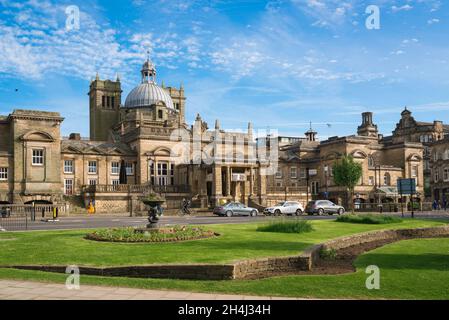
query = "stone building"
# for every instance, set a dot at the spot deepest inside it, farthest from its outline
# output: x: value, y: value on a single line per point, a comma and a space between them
x: 440, y: 170
x: 147, y: 134
x: 147, y: 142
x: 305, y: 167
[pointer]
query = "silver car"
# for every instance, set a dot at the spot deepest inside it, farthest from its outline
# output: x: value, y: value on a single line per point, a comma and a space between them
x: 321, y: 207
x: 235, y: 209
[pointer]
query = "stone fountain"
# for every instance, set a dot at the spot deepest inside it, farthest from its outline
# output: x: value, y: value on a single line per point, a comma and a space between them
x: 153, y: 201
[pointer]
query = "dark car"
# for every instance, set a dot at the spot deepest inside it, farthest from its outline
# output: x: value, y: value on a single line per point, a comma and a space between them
x: 235, y: 209
x: 321, y: 207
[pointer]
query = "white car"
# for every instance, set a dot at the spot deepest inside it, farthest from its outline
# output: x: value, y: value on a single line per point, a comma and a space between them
x: 285, y: 207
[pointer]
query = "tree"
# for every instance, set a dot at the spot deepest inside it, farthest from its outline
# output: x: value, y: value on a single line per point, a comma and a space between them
x: 347, y: 173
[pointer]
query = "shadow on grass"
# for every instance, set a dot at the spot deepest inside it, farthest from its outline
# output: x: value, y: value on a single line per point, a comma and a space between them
x: 426, y: 261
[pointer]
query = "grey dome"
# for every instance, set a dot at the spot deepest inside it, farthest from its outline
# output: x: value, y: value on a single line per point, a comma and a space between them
x: 146, y: 95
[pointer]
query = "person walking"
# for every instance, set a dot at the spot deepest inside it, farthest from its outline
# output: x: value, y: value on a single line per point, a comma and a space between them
x: 444, y: 204
x: 435, y: 205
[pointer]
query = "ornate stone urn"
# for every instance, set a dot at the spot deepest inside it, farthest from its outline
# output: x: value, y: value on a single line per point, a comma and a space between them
x: 153, y: 202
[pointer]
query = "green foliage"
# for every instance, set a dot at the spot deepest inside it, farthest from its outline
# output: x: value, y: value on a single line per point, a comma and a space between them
x: 328, y: 254
x: 287, y: 226
x: 177, y: 233
x: 368, y: 219
x: 347, y: 172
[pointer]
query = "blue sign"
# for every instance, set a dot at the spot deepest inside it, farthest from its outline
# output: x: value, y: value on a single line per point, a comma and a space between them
x: 407, y: 186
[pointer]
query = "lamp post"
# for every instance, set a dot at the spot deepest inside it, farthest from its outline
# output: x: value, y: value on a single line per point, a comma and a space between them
x: 326, y: 176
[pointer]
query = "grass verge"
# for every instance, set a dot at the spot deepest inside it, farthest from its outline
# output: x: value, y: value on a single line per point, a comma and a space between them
x: 368, y: 219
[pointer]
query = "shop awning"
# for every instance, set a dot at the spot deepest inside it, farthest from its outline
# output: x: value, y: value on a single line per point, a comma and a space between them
x: 388, y: 191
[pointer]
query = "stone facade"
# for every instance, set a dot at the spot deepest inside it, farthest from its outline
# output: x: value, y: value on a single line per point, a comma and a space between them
x: 161, y: 153
x: 440, y: 170
x: 305, y: 166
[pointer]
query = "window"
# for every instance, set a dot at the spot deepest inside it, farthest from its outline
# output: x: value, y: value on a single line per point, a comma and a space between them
x: 115, y: 168
x: 371, y: 181
x: 92, y: 182
x: 414, y: 172
x: 387, y: 179
x: 68, y: 186
x: 370, y: 161
x: 160, y: 114
x: 278, y: 173
x: 129, y: 169
x: 92, y: 167
x: 436, y: 176
x: 152, y: 178
x: 302, y: 173
x: 3, y: 173
x: 112, y: 102
x: 446, y: 174
x: 172, y: 174
x: 115, y: 182
x: 162, y: 173
x: 38, y: 157
x: 315, y: 187
x: 68, y: 166
x: 293, y: 173
x: 103, y: 101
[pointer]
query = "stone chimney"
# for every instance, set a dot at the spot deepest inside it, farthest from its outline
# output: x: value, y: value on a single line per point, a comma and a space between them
x: 75, y: 136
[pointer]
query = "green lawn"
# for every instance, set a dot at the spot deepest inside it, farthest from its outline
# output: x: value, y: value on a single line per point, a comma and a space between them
x: 412, y: 269
x: 235, y: 243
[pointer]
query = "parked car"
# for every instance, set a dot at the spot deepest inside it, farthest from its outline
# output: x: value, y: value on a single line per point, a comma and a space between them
x: 235, y: 209
x: 285, y: 207
x: 324, y: 206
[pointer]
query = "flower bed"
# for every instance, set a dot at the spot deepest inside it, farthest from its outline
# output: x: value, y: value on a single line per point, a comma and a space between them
x: 167, y: 234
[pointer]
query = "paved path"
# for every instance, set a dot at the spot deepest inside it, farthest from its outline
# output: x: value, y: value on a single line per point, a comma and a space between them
x: 27, y: 290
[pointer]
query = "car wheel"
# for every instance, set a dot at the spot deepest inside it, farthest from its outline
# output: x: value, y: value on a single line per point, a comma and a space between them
x: 253, y: 213
x: 320, y: 211
x: 298, y: 212
x: 277, y: 212
x: 229, y: 214
x: 341, y: 211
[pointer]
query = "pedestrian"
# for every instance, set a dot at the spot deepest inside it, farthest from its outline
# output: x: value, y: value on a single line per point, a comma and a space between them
x: 435, y: 204
x: 444, y: 204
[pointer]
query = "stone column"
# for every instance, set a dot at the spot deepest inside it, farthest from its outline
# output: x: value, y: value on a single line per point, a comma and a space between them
x: 262, y: 188
x: 217, y: 191
x: 251, y: 181
x: 228, y: 181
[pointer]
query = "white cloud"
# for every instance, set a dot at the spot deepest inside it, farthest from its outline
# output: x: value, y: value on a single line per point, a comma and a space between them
x: 433, y: 21
x: 405, y: 7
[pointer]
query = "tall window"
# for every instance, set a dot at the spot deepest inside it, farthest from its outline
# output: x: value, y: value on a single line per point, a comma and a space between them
x: 387, y: 179
x: 293, y: 173
x: 162, y: 173
x: 115, y: 168
x: 103, y: 101
x: 414, y: 172
x: 315, y: 187
x: 68, y: 186
x: 279, y: 173
x: 152, y: 174
x: 302, y: 173
x: 38, y: 157
x: 160, y: 114
x: 3, y: 174
x: 172, y: 174
x: 129, y: 169
x: 370, y: 161
x: 446, y: 174
x: 92, y: 167
x: 68, y: 166
x: 436, y: 175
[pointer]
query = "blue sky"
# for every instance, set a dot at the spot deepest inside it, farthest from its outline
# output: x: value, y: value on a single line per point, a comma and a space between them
x: 279, y: 64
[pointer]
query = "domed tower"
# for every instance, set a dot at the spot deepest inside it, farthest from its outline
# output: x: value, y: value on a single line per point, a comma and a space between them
x: 151, y: 98
x: 368, y: 128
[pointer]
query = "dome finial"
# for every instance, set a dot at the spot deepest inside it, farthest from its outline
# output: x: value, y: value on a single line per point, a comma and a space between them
x: 148, y: 70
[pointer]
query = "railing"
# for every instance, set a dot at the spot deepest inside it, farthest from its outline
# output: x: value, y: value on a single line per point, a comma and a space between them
x: 288, y: 190
x: 129, y: 188
x: 19, y: 217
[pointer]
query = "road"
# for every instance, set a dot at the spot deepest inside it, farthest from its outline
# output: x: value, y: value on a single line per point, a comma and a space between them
x: 107, y: 221
x: 89, y: 222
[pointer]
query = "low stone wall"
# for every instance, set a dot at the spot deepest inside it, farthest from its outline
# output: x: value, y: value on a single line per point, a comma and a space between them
x: 254, y: 268
x: 194, y: 271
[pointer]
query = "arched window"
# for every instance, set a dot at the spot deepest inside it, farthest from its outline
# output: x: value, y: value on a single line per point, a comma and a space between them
x: 370, y: 161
